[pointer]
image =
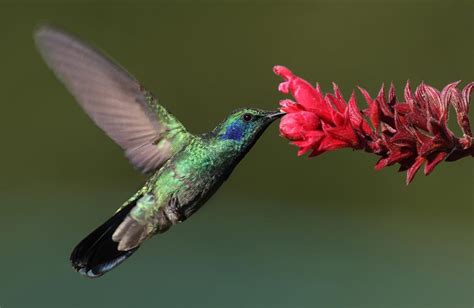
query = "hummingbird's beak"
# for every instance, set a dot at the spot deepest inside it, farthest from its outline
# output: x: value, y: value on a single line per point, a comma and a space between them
x: 275, y: 115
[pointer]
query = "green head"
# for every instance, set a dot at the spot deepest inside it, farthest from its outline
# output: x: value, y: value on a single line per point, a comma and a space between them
x: 242, y: 128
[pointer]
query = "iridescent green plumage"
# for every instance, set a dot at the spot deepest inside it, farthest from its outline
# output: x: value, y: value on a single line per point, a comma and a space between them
x: 187, y: 169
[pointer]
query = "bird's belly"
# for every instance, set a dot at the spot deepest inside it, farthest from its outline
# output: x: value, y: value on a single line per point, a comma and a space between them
x: 183, y: 190
x: 199, y: 199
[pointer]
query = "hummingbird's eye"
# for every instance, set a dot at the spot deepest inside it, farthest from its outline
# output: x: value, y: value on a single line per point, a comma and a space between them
x: 247, y: 117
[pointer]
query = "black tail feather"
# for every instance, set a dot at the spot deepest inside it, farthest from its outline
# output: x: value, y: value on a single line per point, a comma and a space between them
x: 97, y: 253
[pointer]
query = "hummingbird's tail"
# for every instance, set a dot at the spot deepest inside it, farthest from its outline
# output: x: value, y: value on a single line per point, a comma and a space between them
x: 98, y: 253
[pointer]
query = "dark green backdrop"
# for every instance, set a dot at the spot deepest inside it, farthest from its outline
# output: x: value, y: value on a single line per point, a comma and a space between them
x: 283, y: 231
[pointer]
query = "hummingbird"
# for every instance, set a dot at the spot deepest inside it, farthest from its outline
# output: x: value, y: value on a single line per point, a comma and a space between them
x: 184, y: 169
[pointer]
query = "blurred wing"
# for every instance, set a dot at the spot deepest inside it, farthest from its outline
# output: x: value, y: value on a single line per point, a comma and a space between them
x: 114, y: 99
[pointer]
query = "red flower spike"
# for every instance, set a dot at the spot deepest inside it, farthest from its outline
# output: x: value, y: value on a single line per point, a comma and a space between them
x: 410, y: 133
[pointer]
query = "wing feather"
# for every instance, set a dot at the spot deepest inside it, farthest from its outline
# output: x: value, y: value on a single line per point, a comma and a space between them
x: 113, y: 98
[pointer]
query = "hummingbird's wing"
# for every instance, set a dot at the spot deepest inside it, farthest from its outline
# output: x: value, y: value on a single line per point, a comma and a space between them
x: 114, y: 99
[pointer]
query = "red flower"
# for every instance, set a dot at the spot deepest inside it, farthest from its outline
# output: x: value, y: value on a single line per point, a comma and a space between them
x: 294, y: 125
x: 410, y: 133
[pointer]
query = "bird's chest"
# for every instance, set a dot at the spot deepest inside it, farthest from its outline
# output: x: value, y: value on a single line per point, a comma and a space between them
x: 188, y: 182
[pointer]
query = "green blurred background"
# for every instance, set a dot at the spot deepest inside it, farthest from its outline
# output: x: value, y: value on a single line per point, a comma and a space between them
x: 283, y: 231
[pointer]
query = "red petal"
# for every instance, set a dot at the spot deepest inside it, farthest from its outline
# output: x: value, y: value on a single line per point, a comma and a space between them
x: 307, y: 96
x: 318, y: 93
x: 385, y: 108
x: 403, y: 108
x: 403, y: 139
x: 284, y: 87
x: 373, y: 112
x: 311, y: 141
x: 289, y: 106
x: 440, y: 131
x: 283, y: 72
x: 433, y: 162
x: 382, y: 163
x: 466, y: 94
x: 460, y: 101
x: 392, y: 97
x: 338, y: 119
x: 414, y: 168
x: 430, y: 146
x: 417, y: 118
x: 357, y: 120
x: 303, y: 147
x: 294, y: 125
x: 345, y: 134
x: 337, y: 98
x: 340, y: 105
x: 329, y: 144
x: 353, y: 112
x: 397, y: 155
x: 408, y: 94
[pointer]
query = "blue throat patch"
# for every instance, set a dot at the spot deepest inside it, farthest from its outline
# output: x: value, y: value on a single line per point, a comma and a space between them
x: 234, y: 131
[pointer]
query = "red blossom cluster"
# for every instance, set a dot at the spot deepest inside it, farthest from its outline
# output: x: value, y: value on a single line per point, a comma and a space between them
x: 411, y: 133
